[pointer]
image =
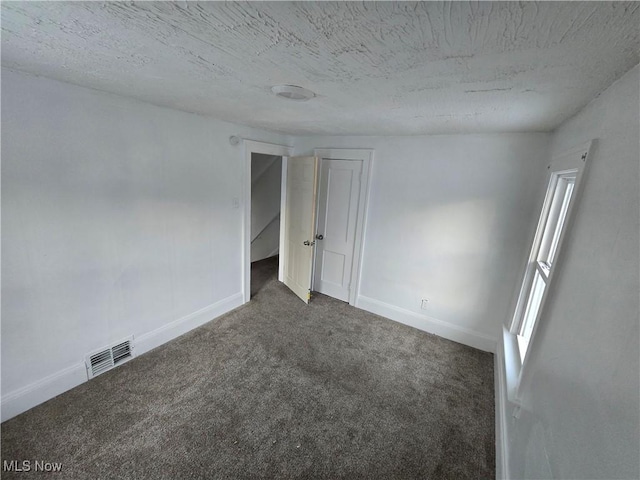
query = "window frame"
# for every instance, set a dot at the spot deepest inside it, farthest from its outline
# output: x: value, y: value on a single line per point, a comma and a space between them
x: 569, y: 168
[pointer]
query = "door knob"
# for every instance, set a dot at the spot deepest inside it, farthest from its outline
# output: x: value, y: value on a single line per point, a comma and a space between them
x: 319, y: 236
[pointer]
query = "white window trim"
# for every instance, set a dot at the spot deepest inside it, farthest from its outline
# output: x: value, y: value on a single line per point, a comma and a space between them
x: 516, y: 371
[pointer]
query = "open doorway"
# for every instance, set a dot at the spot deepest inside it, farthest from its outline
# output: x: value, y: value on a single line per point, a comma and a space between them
x: 298, y: 250
x: 266, y: 182
x: 259, y: 162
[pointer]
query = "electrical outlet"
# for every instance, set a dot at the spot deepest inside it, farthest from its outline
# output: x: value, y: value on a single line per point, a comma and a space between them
x: 425, y: 304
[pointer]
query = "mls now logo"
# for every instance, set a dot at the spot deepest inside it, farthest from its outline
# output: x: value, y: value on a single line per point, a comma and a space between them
x: 28, y: 466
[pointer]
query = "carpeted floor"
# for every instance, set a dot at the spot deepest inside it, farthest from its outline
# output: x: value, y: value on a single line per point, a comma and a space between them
x: 275, y: 389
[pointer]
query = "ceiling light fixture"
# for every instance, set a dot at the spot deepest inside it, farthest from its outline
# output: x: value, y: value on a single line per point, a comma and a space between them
x: 293, y: 92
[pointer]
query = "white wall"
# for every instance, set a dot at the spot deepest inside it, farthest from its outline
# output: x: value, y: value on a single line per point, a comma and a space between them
x: 266, y: 179
x: 449, y: 219
x: 118, y: 218
x: 582, y: 402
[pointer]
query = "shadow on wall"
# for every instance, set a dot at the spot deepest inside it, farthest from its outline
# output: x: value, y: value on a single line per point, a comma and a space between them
x: 540, y: 437
x: 455, y: 239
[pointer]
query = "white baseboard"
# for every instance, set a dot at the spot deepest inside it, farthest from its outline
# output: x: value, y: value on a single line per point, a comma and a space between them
x: 22, y: 399
x: 441, y: 328
x: 502, y: 443
x: 25, y: 398
x: 165, y: 333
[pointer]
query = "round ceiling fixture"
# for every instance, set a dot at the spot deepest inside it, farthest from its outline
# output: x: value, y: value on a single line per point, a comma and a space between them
x: 293, y: 92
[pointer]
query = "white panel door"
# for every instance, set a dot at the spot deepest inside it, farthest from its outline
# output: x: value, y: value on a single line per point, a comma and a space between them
x: 337, y: 216
x: 300, y: 208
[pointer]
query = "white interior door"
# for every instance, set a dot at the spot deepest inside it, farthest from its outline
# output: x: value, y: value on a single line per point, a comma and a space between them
x: 337, y: 219
x: 300, y: 219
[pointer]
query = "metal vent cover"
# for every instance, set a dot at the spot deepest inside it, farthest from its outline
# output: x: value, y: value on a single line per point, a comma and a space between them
x: 109, y: 357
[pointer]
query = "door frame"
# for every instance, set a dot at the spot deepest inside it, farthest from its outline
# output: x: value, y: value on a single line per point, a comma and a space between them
x: 250, y: 147
x: 366, y: 156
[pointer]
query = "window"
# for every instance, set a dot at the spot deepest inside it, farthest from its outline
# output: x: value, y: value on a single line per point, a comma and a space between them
x: 556, y: 211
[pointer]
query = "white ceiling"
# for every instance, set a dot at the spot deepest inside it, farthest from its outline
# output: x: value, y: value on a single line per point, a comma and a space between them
x: 377, y: 68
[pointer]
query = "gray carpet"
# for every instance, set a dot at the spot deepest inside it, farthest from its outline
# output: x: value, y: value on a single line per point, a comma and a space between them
x: 275, y: 389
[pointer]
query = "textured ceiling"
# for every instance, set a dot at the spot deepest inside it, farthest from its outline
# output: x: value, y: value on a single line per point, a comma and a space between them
x: 377, y: 68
